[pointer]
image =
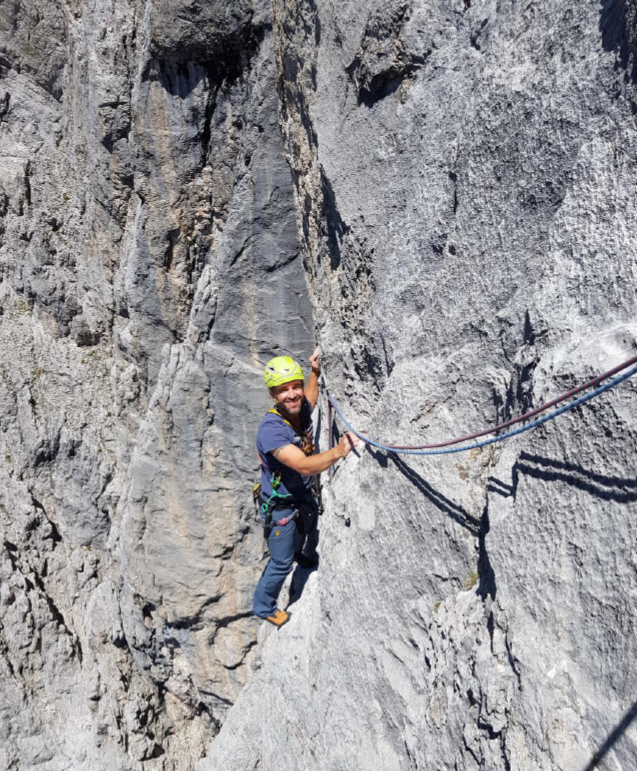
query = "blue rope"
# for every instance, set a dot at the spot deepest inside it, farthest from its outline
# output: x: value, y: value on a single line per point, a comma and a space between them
x: 582, y: 399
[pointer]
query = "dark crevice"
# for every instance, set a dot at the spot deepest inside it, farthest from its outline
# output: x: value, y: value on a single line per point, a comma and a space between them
x: 491, y: 630
x: 117, y: 133
x: 618, y: 27
x: 519, y: 397
x: 528, y: 332
x: 12, y: 552
x: 180, y: 70
x: 56, y: 614
x: 438, y: 243
x: 382, y: 64
x: 336, y: 228
x: 473, y: 39
x: 197, y: 621
x: 4, y: 104
x: 55, y: 533
x: 157, y: 752
x: 473, y: 752
x: 513, y: 663
x: 4, y: 652
x: 27, y: 182
x: 488, y: 729
x: 283, y: 264
x: 221, y: 623
x: 386, y: 83
x: 454, y: 179
x: 173, y: 237
x: 216, y: 696
x: 249, y: 647
x: 389, y: 362
x: 211, y: 103
x: 202, y: 710
x: 503, y: 752
x: 120, y: 641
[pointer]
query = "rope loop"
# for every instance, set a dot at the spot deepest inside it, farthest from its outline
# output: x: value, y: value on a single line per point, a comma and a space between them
x: 437, y: 449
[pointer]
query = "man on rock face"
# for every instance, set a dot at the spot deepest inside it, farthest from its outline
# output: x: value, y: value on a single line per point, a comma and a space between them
x: 285, y: 446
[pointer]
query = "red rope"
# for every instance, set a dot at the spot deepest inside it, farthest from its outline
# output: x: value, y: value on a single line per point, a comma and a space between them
x: 591, y: 383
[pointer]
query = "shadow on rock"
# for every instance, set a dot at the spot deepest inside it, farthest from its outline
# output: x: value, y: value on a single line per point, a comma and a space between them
x: 618, y: 25
x: 619, y: 489
x: 306, y: 564
x: 613, y: 737
x: 441, y: 502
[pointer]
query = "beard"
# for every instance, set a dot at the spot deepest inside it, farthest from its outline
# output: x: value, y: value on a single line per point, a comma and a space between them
x: 292, y: 410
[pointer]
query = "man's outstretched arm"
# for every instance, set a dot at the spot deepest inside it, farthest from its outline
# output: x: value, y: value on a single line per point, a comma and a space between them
x: 308, y: 465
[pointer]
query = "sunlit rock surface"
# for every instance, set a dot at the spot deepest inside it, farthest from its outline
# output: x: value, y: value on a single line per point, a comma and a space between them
x: 442, y: 194
x: 149, y: 262
x: 465, y: 189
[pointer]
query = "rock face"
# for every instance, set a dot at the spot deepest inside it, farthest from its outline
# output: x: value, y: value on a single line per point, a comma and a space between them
x: 441, y: 193
x: 465, y: 185
x: 149, y: 262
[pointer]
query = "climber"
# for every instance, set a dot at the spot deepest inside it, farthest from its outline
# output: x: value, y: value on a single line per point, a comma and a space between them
x: 285, y: 448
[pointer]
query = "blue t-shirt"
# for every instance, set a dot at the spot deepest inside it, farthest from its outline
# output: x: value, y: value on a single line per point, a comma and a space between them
x: 273, y: 433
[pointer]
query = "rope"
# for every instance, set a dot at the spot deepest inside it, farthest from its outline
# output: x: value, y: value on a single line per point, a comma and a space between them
x: 427, y: 449
x: 591, y: 383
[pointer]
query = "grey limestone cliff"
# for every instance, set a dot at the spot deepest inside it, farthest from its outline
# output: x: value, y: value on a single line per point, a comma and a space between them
x: 149, y: 262
x: 465, y: 177
x: 441, y: 193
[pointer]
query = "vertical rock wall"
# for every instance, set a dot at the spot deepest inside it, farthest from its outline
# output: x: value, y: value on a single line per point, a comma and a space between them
x: 149, y: 262
x: 465, y: 188
x: 461, y: 176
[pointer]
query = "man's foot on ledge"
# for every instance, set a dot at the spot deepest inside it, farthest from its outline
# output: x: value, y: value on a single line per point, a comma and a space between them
x: 278, y: 618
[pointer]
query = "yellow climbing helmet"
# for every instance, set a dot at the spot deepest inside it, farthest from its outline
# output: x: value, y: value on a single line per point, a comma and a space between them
x: 282, y: 369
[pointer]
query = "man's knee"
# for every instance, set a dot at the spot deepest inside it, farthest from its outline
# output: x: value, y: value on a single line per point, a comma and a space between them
x: 283, y: 563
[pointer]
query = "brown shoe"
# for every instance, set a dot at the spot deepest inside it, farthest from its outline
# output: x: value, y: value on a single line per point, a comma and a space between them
x: 278, y: 618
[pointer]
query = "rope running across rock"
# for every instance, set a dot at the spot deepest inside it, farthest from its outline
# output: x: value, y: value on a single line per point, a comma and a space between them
x: 436, y: 449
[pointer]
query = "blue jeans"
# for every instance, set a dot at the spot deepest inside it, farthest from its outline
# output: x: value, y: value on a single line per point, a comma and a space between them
x: 284, y: 542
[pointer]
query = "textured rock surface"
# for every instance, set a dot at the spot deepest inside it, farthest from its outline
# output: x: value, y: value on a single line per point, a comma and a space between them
x: 149, y: 260
x: 465, y: 178
x: 459, y: 178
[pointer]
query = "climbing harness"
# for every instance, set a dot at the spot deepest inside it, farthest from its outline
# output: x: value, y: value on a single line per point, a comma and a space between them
x: 264, y: 508
x: 309, y: 448
x: 434, y: 449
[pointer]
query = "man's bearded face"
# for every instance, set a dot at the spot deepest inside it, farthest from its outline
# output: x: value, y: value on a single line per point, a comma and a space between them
x: 290, y: 396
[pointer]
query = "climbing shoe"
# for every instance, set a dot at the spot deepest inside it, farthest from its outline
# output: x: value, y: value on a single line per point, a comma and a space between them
x: 278, y: 618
